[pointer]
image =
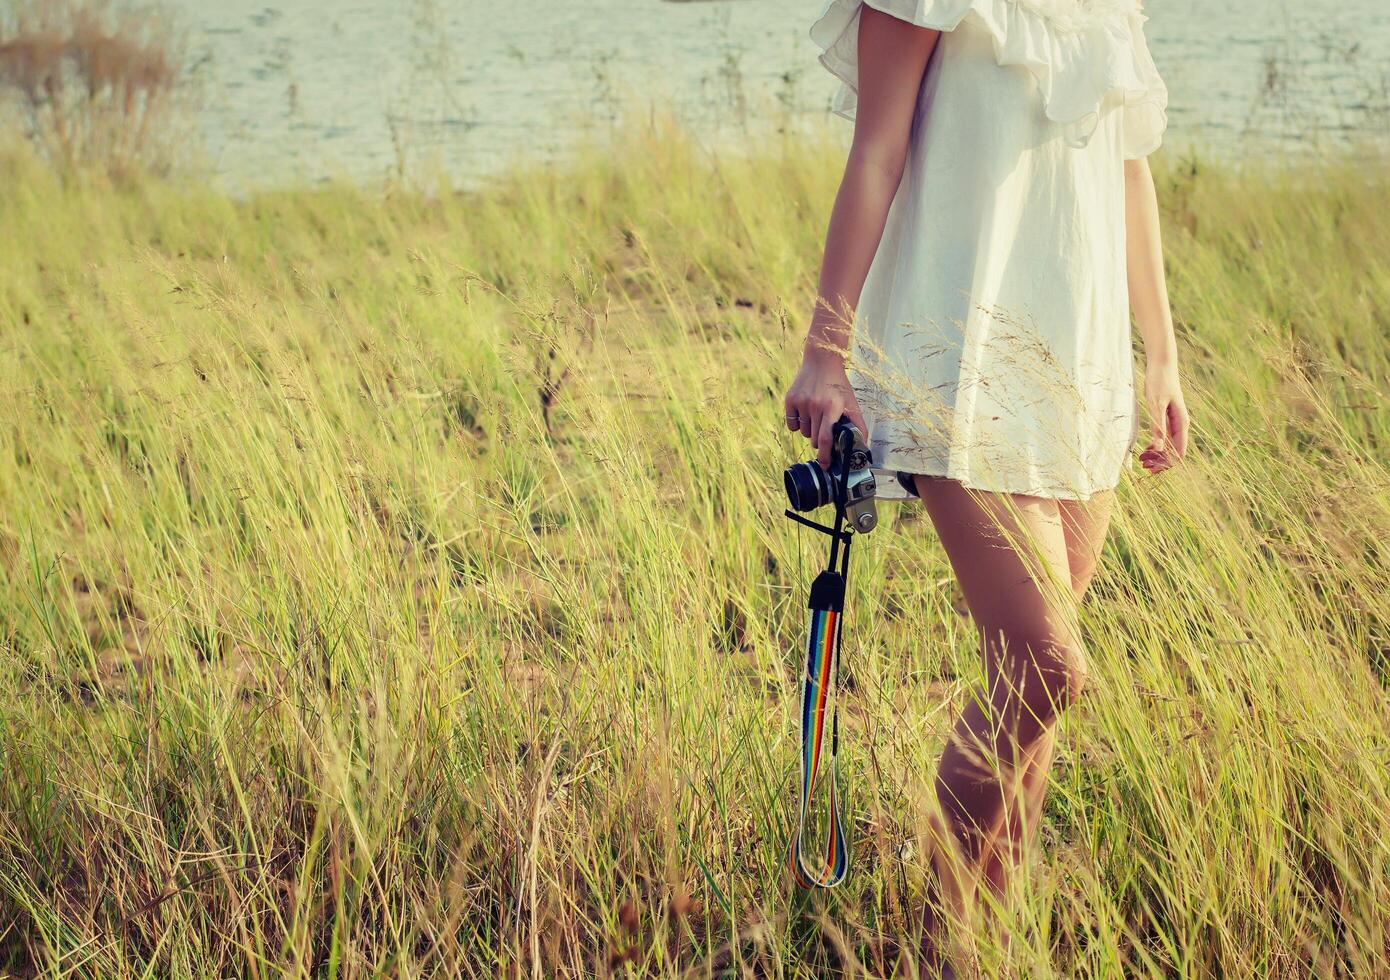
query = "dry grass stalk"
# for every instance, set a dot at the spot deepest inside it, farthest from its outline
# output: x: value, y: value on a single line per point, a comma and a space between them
x: 92, y: 82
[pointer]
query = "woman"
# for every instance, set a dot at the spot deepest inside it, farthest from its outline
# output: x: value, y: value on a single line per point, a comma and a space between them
x: 995, y: 226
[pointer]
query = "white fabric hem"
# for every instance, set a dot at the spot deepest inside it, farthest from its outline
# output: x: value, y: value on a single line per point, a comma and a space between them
x: 885, y: 477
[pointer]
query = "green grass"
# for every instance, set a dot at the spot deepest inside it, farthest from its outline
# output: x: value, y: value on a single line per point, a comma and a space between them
x: 395, y: 582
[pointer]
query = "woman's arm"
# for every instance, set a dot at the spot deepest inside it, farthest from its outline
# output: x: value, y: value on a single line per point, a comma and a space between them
x: 1148, y: 298
x: 892, y: 57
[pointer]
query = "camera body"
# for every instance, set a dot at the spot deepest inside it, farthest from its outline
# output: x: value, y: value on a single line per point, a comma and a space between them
x: 847, y: 482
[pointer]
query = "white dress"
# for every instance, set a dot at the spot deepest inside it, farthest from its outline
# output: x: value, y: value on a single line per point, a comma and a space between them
x: 992, y: 336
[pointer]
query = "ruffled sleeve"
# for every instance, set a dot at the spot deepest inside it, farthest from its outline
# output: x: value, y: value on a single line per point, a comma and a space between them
x: 1145, y: 117
x: 1086, y: 59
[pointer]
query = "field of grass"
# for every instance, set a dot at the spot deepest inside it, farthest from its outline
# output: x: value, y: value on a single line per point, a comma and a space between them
x: 395, y: 583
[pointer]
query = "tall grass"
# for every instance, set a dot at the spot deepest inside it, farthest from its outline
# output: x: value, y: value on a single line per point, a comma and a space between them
x: 395, y: 583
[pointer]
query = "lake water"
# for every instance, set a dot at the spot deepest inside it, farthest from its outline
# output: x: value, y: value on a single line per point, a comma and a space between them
x: 312, y: 88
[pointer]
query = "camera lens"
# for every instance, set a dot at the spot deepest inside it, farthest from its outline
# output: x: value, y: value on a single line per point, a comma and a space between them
x: 808, y: 486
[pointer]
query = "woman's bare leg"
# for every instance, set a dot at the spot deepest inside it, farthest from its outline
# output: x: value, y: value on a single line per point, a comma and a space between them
x: 1084, y: 526
x: 1009, y: 553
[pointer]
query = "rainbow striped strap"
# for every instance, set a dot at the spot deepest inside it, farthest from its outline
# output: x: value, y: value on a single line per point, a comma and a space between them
x: 817, y: 698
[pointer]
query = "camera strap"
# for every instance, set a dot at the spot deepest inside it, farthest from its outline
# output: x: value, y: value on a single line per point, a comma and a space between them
x: 820, y: 687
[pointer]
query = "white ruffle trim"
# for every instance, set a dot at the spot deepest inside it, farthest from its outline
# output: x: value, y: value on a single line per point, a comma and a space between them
x: 1086, y: 55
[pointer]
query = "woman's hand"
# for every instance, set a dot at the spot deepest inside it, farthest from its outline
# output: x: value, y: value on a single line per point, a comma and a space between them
x: 1168, y: 414
x: 819, y: 394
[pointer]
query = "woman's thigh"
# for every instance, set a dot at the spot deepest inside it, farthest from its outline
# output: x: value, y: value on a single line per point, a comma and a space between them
x: 1084, y: 524
x: 1010, y: 555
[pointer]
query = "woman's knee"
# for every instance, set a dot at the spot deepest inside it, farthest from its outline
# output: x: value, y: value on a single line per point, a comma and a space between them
x: 1047, y: 668
x: 1065, y: 664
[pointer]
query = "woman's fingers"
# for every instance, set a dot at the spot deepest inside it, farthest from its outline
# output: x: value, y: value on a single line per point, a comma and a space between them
x: 815, y: 415
x: 1153, y: 459
x: 1155, y: 456
x: 827, y: 414
x: 1177, y: 426
x: 791, y: 413
x: 1158, y: 416
x: 798, y: 417
x: 855, y: 416
x: 816, y: 433
x: 1170, y: 435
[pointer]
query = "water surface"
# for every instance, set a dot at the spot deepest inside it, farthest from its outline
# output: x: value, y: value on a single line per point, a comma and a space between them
x: 311, y: 88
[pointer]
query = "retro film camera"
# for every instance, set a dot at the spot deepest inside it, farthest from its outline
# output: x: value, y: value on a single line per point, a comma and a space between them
x: 848, y: 483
